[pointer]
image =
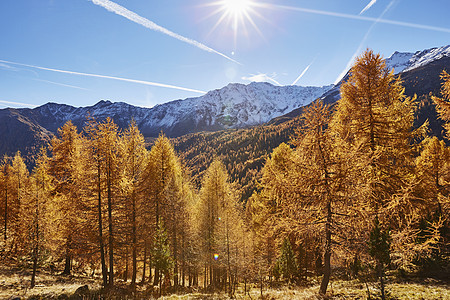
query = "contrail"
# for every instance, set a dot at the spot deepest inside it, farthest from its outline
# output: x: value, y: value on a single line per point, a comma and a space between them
x: 350, y: 62
x: 303, y: 73
x: 371, y: 3
x: 3, y: 102
x: 361, y: 18
x: 122, y: 11
x: 61, y: 84
x: 107, y: 77
x: 7, y: 67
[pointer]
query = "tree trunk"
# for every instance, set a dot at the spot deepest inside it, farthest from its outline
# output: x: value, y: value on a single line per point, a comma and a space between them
x: 327, y: 255
x: 134, y: 238
x: 156, y: 278
x: 261, y: 287
x: 68, y: 262
x: 35, y: 260
x: 205, y: 277
x: 6, y: 211
x: 228, y: 260
x: 381, y: 272
x: 175, y: 250
x: 189, y: 276
x: 125, y: 276
x: 145, y: 263
x: 36, y: 246
x: 110, y: 227
x: 305, y: 274
x: 183, y: 267
x: 100, y: 229
x: 211, y: 276
x: 160, y: 286
x: 245, y: 285
x: 150, y: 267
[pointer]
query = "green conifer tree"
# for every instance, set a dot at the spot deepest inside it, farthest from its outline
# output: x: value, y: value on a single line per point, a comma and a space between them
x: 162, y: 257
x: 379, y: 249
x: 286, y: 263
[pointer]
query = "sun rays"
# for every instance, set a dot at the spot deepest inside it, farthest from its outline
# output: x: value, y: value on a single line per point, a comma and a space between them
x: 237, y: 16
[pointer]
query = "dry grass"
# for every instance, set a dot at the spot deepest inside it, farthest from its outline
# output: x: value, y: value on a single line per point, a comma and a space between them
x: 17, y: 282
x: 337, y: 290
x: 357, y: 290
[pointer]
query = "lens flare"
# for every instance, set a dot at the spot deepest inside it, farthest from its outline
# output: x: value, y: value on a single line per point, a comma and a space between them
x: 216, y: 256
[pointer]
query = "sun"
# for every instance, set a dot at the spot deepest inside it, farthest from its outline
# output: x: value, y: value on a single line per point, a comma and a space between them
x: 237, y: 8
x: 237, y: 16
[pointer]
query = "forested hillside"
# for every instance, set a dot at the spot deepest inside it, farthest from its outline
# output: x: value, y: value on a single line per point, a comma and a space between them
x: 242, y: 151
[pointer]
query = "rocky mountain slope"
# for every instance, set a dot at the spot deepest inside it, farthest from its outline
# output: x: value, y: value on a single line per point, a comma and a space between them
x: 234, y: 106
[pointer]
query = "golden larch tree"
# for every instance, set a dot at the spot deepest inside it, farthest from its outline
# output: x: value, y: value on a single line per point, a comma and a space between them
x: 66, y: 169
x: 135, y: 160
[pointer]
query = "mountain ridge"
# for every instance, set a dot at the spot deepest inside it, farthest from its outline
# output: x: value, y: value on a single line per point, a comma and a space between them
x: 233, y: 106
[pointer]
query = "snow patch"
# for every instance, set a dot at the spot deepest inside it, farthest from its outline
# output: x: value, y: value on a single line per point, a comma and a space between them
x: 402, y: 62
x: 425, y: 57
x: 399, y: 61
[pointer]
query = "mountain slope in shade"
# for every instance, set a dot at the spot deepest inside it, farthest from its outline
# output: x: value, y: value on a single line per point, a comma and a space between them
x: 18, y: 132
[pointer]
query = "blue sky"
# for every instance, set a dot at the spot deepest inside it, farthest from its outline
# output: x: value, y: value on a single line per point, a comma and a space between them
x: 143, y: 52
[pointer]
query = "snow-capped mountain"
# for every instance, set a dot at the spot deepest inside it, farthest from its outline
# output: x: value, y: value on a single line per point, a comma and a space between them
x: 401, y: 62
x: 404, y: 61
x: 234, y: 106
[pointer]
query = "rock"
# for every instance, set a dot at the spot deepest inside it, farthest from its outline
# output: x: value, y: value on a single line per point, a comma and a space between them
x: 80, y: 293
x: 82, y: 290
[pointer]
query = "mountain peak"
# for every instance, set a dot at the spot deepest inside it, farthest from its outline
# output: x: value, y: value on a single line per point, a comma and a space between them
x: 399, y: 61
x: 405, y: 61
x: 102, y: 103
